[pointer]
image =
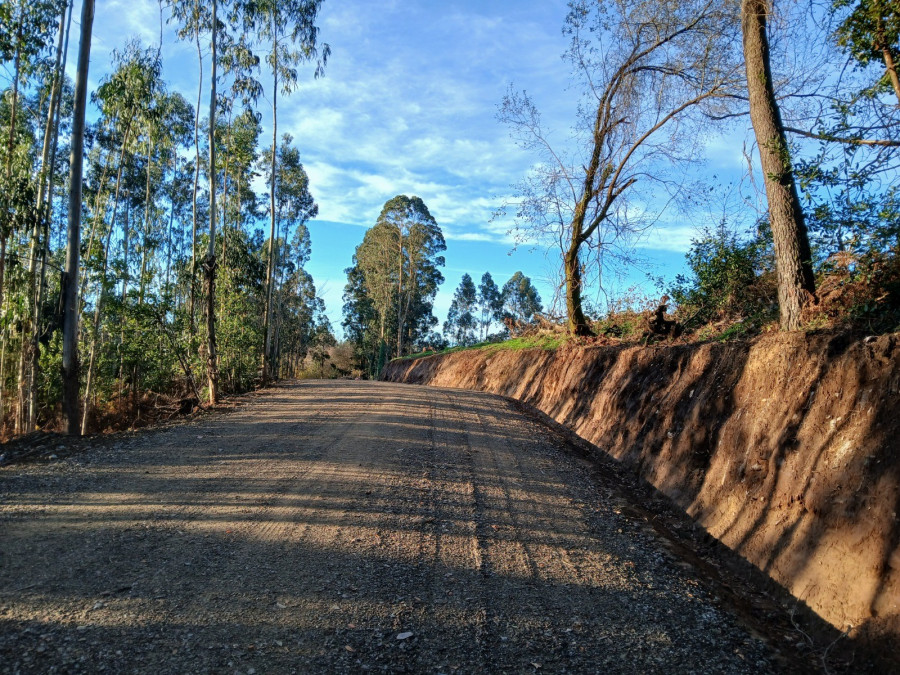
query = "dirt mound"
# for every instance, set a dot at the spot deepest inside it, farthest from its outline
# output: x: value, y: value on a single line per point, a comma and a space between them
x: 786, y: 448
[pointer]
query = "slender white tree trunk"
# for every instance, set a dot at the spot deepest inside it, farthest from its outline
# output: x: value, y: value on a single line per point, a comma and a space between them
x: 73, y: 246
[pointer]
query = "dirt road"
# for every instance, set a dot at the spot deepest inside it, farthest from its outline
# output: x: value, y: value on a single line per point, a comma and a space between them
x: 346, y: 527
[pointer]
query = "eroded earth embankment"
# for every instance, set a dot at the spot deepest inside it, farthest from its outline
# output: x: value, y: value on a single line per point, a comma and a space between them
x: 786, y: 449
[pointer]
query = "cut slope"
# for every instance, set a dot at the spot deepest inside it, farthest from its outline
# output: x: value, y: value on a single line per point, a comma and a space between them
x: 785, y: 449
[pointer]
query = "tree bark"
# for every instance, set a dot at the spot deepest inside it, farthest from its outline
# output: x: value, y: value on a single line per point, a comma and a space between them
x: 892, y: 71
x: 577, y: 322
x: 209, y: 265
x: 270, y: 272
x: 70, y: 278
x: 793, y: 258
x: 196, y: 188
x: 10, y: 145
x: 45, y: 212
x: 95, y: 333
x: 33, y: 351
x: 146, y: 237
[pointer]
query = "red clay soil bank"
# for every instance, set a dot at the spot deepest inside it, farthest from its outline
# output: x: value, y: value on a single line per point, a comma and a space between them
x: 786, y: 449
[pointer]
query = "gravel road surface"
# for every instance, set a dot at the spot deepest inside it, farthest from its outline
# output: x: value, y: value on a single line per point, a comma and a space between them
x: 347, y: 527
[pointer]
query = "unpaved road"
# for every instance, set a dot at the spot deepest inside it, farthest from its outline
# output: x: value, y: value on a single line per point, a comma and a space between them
x: 346, y: 527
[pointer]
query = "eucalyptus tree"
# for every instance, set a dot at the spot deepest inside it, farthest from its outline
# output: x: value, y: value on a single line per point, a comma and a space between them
x: 461, y: 320
x: 27, y: 31
x: 239, y: 199
x: 69, y: 291
x: 419, y: 242
x: 376, y: 257
x: 300, y: 316
x: 653, y: 71
x: 193, y: 17
x: 126, y: 96
x: 399, y: 259
x: 209, y: 262
x: 169, y: 132
x: 520, y: 299
x: 43, y: 207
x: 293, y: 206
x: 490, y: 302
x: 289, y: 29
x: 361, y: 321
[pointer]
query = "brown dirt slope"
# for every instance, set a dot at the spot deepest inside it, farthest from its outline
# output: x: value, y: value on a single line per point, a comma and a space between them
x: 786, y: 449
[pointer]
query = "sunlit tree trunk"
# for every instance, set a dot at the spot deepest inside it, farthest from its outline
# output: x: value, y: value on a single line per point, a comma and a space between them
x: 793, y: 258
x: 32, y: 354
x: 270, y: 272
x: 146, y: 237
x: 212, y: 368
x: 196, y: 186
x: 70, y: 280
x: 45, y: 213
x: 95, y: 334
x: 10, y: 144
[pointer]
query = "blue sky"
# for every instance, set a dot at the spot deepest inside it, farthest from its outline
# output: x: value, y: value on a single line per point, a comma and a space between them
x: 408, y: 106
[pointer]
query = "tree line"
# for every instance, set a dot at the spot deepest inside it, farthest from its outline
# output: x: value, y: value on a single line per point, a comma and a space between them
x: 138, y: 256
x: 391, y: 286
x: 474, y: 311
x: 141, y: 260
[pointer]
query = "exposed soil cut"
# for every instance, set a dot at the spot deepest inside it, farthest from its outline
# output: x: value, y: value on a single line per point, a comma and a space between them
x: 360, y: 527
x: 786, y: 448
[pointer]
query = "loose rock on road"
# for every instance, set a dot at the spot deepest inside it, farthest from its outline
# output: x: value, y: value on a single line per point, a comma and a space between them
x: 346, y: 527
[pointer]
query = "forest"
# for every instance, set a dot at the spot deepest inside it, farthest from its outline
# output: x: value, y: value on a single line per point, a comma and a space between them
x: 154, y: 247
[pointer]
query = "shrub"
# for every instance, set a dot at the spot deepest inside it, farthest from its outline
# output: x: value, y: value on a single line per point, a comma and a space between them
x: 730, y: 279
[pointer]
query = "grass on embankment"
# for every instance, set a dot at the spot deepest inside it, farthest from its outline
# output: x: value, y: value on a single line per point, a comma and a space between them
x: 548, y: 341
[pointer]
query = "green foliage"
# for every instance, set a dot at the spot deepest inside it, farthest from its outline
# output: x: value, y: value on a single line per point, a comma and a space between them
x: 461, y: 323
x: 870, y: 28
x: 391, y: 286
x: 729, y: 278
x: 849, y: 205
x: 490, y: 304
x: 520, y: 299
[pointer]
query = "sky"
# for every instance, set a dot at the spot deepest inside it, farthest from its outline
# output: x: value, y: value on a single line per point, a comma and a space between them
x: 408, y: 105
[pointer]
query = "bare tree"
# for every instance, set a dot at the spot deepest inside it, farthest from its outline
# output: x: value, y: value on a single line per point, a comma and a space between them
x: 654, y: 70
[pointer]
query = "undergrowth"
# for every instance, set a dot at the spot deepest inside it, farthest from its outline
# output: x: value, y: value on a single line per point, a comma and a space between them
x: 734, y: 301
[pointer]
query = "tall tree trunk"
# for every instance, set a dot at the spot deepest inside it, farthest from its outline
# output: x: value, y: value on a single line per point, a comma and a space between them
x: 95, y: 332
x: 3, y: 364
x: 126, y: 231
x: 70, y: 278
x: 793, y: 258
x: 55, y: 88
x: 45, y: 212
x: 169, y: 235
x: 892, y: 71
x: 399, y: 290
x: 270, y: 272
x: 209, y: 265
x: 98, y: 216
x: 577, y: 322
x: 196, y: 186
x: 146, y: 226
x: 10, y: 145
x: 102, y: 284
x: 37, y: 246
